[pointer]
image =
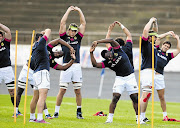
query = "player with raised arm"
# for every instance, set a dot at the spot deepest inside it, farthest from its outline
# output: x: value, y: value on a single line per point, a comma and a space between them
x: 162, y: 60
x: 117, y: 60
x: 73, y: 37
x: 6, y: 71
x: 146, y: 66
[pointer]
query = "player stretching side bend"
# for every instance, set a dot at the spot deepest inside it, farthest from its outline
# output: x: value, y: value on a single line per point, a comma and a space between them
x: 125, y: 45
x: 117, y: 60
x: 162, y: 60
x: 146, y: 66
x: 6, y: 71
x: 73, y: 37
x: 52, y: 55
x: 53, y: 64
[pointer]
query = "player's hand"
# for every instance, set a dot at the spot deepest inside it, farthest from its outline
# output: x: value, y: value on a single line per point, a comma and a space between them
x: 175, y: 36
x: 94, y: 44
x: 171, y: 33
x: 43, y: 32
x: 111, y: 26
x: 72, y: 50
x: 117, y: 22
x: 73, y: 56
x: 71, y: 8
x: 92, y: 49
x: 77, y: 8
x: 153, y: 19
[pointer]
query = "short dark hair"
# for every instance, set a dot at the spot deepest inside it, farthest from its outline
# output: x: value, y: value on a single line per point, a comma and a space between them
x: 120, y: 41
x: 167, y: 42
x: 1, y: 33
x: 38, y: 35
x: 103, y: 53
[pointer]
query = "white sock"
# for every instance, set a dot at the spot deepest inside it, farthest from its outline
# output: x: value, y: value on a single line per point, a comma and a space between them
x: 57, y: 109
x: 46, y: 112
x: 164, y: 114
x: 16, y: 110
x: 111, y: 115
x: 78, y: 107
x: 40, y: 116
x: 32, y: 116
x: 143, y: 115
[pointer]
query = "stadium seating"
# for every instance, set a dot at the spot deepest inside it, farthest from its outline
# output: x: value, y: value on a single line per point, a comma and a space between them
x: 26, y: 15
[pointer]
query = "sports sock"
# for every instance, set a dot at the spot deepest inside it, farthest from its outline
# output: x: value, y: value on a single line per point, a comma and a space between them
x: 16, y: 110
x: 78, y: 108
x: 32, y: 116
x: 40, y: 116
x: 143, y: 115
x: 57, y: 109
x: 46, y: 111
x: 164, y: 114
x: 111, y: 115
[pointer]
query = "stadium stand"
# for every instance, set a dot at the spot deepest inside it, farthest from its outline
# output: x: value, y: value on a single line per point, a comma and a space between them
x: 23, y: 15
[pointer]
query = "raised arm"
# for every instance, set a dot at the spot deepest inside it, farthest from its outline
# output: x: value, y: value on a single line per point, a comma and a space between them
x: 6, y: 30
x: 62, y: 28
x: 177, y: 51
x: 158, y: 40
x: 111, y: 41
x: 108, y: 35
x: 125, y: 30
x: 147, y: 27
x: 93, y: 60
x: 155, y: 27
x: 82, y: 20
x: 65, y: 67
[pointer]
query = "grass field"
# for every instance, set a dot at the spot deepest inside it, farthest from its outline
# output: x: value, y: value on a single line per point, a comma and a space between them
x: 124, y: 115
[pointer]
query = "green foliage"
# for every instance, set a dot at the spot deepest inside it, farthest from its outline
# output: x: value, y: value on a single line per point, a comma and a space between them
x: 124, y: 115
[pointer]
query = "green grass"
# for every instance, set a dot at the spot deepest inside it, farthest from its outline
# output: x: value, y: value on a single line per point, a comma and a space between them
x: 124, y: 115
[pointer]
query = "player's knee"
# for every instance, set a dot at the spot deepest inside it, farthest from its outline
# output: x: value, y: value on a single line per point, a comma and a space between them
x: 161, y: 97
x: 115, y: 98
x: 63, y: 85
x: 21, y: 84
x: 77, y: 86
x: 134, y: 98
x: 20, y: 91
x: 10, y: 85
x: 147, y: 89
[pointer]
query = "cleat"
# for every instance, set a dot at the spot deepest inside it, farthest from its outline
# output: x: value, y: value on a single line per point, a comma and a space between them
x: 42, y: 121
x: 109, y: 120
x: 32, y: 120
x: 141, y: 121
x: 16, y: 115
x: 79, y: 115
x: 146, y: 120
x: 48, y: 117
x: 19, y: 113
x: 166, y: 118
x: 55, y: 115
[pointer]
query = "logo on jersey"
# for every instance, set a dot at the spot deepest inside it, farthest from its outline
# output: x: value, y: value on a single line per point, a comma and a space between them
x: 2, y: 44
x: 116, y: 61
x: 115, y: 54
x: 52, y: 61
x: 162, y: 57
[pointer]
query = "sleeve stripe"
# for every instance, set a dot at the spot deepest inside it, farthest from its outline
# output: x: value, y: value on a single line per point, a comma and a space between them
x: 109, y: 48
x: 172, y: 55
x: 45, y: 37
x: 145, y: 39
x: 50, y: 45
x: 80, y: 34
x: 62, y: 34
x: 129, y: 41
x: 55, y: 66
x: 103, y: 66
x: 7, y: 40
x: 157, y: 46
x: 117, y: 47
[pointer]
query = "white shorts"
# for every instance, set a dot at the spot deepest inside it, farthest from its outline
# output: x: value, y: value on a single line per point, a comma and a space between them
x: 72, y: 74
x: 23, y: 77
x: 159, y: 82
x: 41, y: 79
x: 128, y: 82
x: 7, y: 75
x: 146, y: 77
